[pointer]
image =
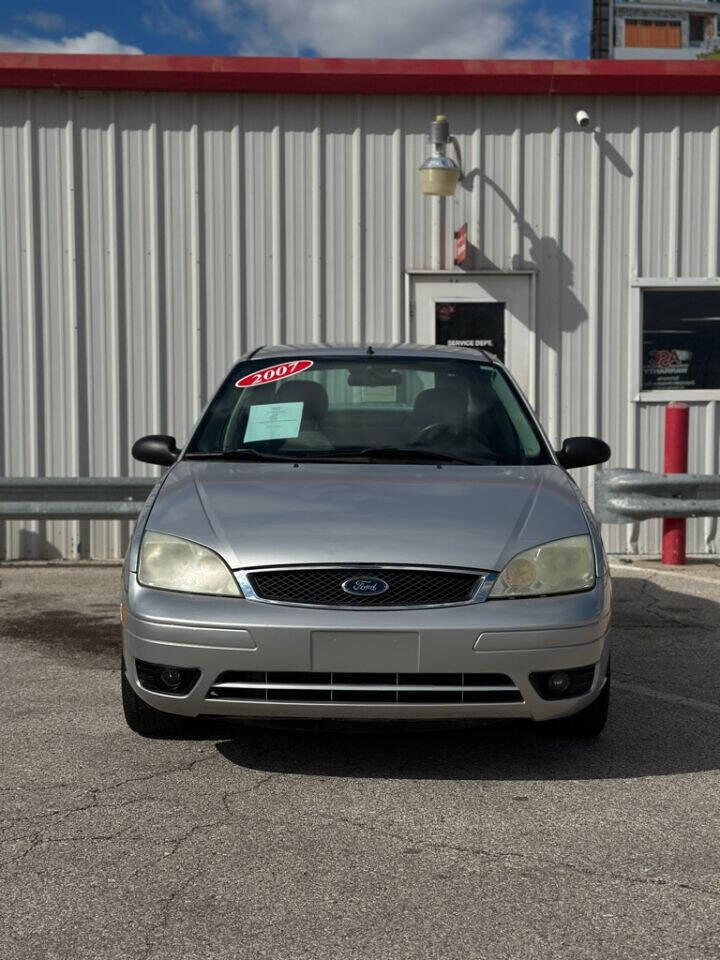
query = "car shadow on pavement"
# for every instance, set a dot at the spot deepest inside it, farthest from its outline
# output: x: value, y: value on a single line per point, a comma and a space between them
x: 665, y: 716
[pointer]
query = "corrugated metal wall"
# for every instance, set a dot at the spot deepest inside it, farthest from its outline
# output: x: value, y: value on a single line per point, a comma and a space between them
x: 148, y: 240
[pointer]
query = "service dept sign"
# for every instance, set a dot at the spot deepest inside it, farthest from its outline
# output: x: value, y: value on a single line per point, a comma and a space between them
x: 476, y: 324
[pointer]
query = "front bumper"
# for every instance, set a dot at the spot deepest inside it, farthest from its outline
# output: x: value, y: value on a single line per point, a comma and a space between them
x: 513, y: 637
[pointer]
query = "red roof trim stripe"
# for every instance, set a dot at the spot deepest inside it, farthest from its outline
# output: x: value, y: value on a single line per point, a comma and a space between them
x: 283, y: 75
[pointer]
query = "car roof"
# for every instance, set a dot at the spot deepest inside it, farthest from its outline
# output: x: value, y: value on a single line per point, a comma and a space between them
x: 378, y: 349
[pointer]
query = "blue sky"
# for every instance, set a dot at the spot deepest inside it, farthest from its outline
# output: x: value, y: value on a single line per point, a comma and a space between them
x: 361, y: 28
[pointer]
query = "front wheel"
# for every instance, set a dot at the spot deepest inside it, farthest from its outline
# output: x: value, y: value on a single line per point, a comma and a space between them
x: 586, y: 724
x: 146, y: 720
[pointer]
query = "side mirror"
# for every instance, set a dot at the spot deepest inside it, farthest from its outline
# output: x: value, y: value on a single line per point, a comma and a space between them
x: 157, y: 448
x: 582, y: 452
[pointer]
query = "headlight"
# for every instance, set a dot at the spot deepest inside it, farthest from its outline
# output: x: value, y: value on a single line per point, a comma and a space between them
x: 563, y: 566
x: 175, y: 564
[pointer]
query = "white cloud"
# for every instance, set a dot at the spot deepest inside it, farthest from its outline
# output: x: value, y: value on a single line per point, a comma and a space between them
x: 94, y: 41
x: 44, y: 20
x: 226, y: 14
x: 160, y: 17
x: 466, y: 29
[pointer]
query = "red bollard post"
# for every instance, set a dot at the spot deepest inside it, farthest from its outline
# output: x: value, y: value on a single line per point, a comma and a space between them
x: 676, y: 461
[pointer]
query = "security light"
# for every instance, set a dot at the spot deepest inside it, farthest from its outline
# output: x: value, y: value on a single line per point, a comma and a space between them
x: 439, y: 174
x: 582, y: 118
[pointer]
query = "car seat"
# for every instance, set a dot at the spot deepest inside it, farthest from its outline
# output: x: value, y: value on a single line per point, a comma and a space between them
x: 315, y: 402
x: 312, y: 395
x: 443, y: 405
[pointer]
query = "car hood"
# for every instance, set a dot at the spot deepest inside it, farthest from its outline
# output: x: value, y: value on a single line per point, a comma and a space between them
x: 275, y: 513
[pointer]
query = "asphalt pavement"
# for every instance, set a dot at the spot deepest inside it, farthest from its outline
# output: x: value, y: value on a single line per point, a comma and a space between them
x: 491, y: 842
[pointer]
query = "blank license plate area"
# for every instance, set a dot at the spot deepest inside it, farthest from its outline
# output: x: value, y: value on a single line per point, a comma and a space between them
x: 364, y: 651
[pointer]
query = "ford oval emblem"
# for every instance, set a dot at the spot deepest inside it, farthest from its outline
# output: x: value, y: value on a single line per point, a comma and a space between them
x: 365, y: 586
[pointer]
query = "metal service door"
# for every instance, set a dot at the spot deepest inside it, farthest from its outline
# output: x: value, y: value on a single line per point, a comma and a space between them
x: 492, y: 312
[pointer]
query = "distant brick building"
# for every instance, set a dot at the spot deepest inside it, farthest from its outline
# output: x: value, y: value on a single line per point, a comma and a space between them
x: 654, y: 29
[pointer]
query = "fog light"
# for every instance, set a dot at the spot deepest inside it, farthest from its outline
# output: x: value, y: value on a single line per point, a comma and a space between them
x: 558, y: 683
x: 561, y: 684
x: 172, y: 678
x: 159, y: 678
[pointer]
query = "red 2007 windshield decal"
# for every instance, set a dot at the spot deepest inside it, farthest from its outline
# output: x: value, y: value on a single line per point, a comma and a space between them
x: 271, y: 374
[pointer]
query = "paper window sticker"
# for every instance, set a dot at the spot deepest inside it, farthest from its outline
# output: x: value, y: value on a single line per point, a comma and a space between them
x: 273, y: 421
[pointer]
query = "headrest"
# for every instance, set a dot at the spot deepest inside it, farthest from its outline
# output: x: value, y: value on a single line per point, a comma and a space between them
x: 312, y: 394
x: 440, y: 404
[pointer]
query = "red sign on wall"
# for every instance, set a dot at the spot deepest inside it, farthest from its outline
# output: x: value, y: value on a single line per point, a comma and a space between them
x: 461, y: 245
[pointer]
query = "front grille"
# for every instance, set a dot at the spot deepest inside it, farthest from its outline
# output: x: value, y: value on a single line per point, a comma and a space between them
x: 293, y: 687
x: 322, y: 586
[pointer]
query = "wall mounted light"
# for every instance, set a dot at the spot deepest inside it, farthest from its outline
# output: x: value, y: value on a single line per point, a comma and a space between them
x: 439, y: 174
x: 582, y: 119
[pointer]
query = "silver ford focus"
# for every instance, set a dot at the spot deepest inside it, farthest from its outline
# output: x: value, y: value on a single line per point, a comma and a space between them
x: 366, y: 533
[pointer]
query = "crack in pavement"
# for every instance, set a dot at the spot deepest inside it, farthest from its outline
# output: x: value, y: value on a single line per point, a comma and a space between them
x: 61, y: 815
x: 83, y: 838
x: 37, y: 839
x: 167, y: 904
x: 96, y: 793
x: 651, y: 590
x: 196, y: 828
x: 166, y: 907
x: 118, y: 783
x: 537, y: 862
x: 176, y: 894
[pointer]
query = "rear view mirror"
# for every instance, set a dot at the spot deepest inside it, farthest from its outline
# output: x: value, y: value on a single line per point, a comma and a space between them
x: 371, y: 376
x: 158, y: 448
x: 582, y: 452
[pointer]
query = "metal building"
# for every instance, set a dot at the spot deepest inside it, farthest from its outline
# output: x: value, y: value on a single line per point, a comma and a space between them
x: 159, y: 216
x: 655, y: 29
x: 601, y: 33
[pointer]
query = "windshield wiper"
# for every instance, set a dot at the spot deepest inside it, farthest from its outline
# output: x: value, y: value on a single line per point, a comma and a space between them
x: 247, y: 453
x: 408, y: 453
x: 347, y: 456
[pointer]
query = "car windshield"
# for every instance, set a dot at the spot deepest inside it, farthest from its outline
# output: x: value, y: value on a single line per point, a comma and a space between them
x: 369, y: 408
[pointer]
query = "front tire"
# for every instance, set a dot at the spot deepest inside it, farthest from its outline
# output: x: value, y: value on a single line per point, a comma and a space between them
x: 588, y: 723
x: 146, y: 720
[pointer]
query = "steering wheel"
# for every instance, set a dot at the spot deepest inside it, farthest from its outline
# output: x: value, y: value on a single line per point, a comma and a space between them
x: 441, y: 430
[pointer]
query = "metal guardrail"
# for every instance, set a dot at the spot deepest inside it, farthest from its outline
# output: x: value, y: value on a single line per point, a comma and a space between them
x: 626, y: 496
x: 73, y: 498
x: 621, y: 496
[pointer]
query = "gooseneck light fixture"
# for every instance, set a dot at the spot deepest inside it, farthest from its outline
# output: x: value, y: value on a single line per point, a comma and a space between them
x: 439, y: 174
